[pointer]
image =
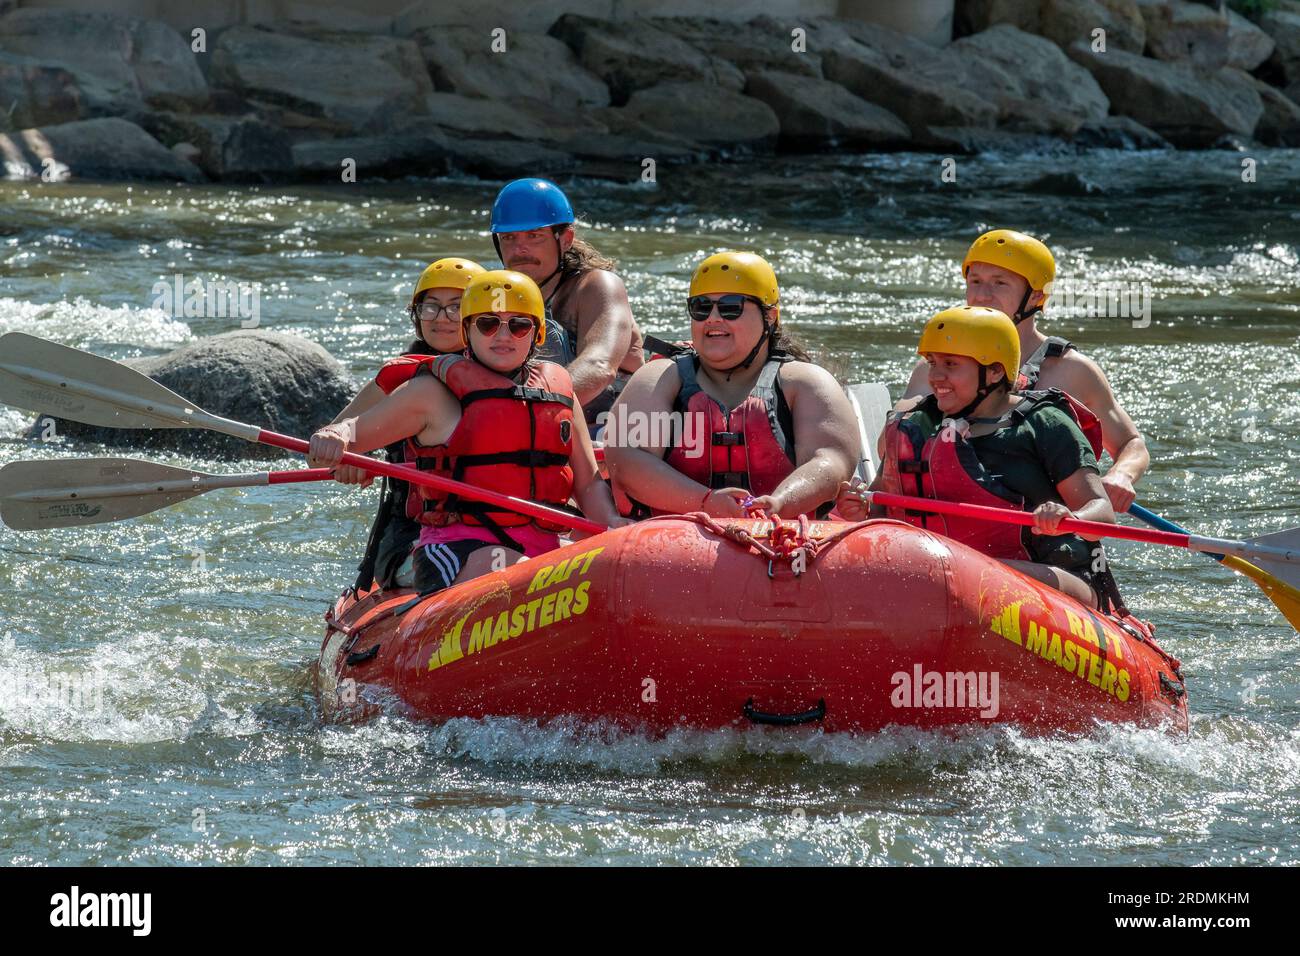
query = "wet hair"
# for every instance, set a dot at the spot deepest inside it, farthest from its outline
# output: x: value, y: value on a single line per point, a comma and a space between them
x: 582, y: 256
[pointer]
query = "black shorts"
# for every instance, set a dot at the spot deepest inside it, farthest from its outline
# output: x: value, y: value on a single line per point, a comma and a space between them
x: 436, y: 565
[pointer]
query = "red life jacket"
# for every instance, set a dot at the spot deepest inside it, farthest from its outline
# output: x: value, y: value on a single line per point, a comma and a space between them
x: 927, y: 463
x: 511, y: 438
x: 750, y: 446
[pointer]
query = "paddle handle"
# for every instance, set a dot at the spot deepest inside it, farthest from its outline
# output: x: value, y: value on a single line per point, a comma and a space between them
x: 505, y: 502
x: 1164, y: 524
x: 1101, y: 529
x: 299, y: 474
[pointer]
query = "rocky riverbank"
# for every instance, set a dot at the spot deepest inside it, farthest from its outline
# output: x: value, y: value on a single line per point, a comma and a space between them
x: 104, y: 96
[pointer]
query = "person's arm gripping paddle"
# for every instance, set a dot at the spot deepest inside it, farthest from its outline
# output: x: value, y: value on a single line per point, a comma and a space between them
x: 369, y: 396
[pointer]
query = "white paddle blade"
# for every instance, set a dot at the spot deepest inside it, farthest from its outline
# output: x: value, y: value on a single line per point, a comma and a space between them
x: 44, y: 376
x: 1280, y: 567
x: 870, y: 403
x: 63, y: 493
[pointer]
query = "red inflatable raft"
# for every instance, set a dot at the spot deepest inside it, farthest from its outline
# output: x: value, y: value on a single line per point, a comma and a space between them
x: 685, y: 622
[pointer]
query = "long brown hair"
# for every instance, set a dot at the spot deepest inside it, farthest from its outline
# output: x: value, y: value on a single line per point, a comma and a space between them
x: 582, y: 257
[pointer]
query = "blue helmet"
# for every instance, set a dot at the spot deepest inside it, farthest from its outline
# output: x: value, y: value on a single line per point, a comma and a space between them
x: 530, y: 204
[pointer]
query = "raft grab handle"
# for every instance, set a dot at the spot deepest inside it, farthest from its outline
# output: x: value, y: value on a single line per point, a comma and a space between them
x: 784, y: 720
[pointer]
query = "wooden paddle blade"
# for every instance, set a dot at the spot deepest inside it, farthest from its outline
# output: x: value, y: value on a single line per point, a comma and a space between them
x: 47, y: 377
x: 63, y: 493
x: 870, y: 403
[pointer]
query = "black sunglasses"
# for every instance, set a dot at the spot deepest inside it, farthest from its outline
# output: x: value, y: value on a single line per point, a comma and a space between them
x: 730, y: 306
x: 518, y: 325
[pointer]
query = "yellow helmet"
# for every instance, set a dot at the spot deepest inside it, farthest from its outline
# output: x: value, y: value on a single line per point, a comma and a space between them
x: 449, y: 273
x: 986, y: 335
x: 741, y: 272
x: 1024, y: 255
x: 504, y: 290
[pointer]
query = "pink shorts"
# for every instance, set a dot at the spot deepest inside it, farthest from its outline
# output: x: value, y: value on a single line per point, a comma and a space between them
x: 533, y: 539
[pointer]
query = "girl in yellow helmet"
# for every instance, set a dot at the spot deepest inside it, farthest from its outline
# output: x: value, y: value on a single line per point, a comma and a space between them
x: 495, y: 417
x: 756, y: 425
x: 972, y: 440
x: 434, y: 311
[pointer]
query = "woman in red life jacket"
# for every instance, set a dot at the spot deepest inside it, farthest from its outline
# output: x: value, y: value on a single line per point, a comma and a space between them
x: 493, y: 417
x: 742, y: 421
x: 435, y: 315
x: 973, y: 440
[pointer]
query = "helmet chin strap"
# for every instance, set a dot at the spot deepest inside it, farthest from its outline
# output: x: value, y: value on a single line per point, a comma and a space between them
x: 983, y: 392
x: 1021, y: 314
x: 753, y: 353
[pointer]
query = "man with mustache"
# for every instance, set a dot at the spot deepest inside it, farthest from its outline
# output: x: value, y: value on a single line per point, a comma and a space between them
x: 589, y: 320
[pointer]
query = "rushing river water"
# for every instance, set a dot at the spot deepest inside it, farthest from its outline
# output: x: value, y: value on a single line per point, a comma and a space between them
x: 197, y: 738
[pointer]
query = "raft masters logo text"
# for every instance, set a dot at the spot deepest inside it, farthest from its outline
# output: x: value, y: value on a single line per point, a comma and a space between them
x: 103, y: 909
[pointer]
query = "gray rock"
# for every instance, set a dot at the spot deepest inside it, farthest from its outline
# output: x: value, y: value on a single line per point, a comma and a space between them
x: 1284, y: 27
x: 906, y: 76
x: 280, y: 382
x: 361, y: 83
x: 959, y: 139
x: 1118, y: 132
x: 631, y: 55
x: 1066, y: 22
x: 32, y: 93
x: 975, y: 16
x: 1036, y: 87
x: 231, y: 148
x: 1280, y: 125
x: 391, y: 156
x: 506, y: 158
x: 497, y: 119
x: 1180, y: 31
x: 706, y: 113
x: 1189, y: 107
x: 121, y: 63
x: 536, y: 66
x: 106, y: 148
x: 761, y: 44
x: 814, y: 112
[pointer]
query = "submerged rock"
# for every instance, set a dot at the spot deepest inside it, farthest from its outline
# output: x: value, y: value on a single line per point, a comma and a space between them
x: 280, y: 382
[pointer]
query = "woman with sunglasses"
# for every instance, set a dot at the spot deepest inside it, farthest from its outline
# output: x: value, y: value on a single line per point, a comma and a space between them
x: 493, y: 417
x: 756, y: 426
x: 435, y: 314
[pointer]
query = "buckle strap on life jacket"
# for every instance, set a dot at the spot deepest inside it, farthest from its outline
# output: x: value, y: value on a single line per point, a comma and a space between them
x: 525, y: 458
x: 523, y: 393
x: 1052, y: 347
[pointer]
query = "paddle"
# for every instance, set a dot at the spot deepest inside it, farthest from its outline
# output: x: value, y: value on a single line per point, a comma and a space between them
x: 68, y: 492
x: 1286, y: 597
x: 1279, y: 551
x: 44, y: 376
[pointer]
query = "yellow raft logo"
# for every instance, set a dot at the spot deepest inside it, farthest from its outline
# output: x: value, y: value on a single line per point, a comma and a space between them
x: 525, y: 616
x: 1092, y: 664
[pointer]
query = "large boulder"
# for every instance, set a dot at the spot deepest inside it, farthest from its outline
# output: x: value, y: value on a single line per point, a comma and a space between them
x: 631, y: 55
x: 280, y: 382
x: 105, y: 148
x: 537, y: 66
x: 1118, y: 132
x: 120, y: 63
x: 706, y: 113
x: 1036, y: 87
x: 1180, y: 31
x: 36, y: 93
x: 763, y: 43
x: 1067, y: 22
x: 523, y: 118
x: 1280, y: 125
x: 1283, y: 25
x: 507, y: 158
x: 1187, y: 106
x: 814, y: 112
x: 361, y: 83
x: 913, y: 80
x: 229, y: 148
x: 388, y: 156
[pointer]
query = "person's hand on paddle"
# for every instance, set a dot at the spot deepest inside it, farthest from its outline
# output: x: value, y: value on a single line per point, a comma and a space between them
x: 329, y: 444
x: 851, y: 500
x: 1048, y: 517
x: 1120, y: 490
x: 724, y: 503
x: 352, y: 475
